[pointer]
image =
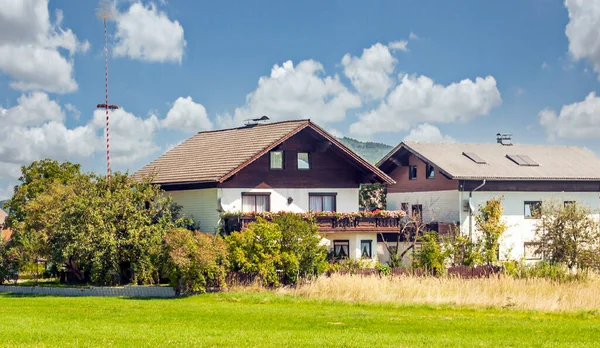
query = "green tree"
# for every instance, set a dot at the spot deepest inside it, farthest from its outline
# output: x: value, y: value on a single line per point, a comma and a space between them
x: 490, y: 224
x: 103, y: 232
x: 35, y: 179
x: 569, y: 234
x: 301, y: 246
x: 257, y: 250
x: 195, y: 260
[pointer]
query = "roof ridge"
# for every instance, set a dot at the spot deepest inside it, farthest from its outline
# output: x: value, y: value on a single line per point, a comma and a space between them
x: 490, y: 143
x: 256, y: 125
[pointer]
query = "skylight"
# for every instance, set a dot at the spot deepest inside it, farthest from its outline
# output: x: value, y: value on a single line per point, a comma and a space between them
x: 523, y: 160
x: 473, y: 157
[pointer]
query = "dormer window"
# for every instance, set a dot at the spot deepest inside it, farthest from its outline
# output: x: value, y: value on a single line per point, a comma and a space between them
x: 429, y: 171
x: 412, y: 172
x: 303, y: 161
x: 276, y: 159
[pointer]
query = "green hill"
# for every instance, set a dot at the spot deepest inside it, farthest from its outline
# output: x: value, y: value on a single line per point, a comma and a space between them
x: 370, y: 151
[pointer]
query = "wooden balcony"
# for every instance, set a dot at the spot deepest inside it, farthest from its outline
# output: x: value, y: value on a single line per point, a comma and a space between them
x: 330, y: 224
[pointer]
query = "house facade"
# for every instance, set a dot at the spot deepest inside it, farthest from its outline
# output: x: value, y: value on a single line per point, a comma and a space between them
x: 447, y: 182
x: 292, y: 166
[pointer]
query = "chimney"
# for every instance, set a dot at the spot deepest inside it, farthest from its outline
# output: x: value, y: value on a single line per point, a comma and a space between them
x: 504, y: 139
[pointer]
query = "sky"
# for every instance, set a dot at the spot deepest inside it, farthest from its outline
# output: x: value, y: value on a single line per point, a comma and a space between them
x: 384, y: 71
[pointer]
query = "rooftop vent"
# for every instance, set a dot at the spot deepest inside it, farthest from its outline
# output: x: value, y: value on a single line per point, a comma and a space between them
x: 473, y: 157
x: 523, y: 160
x: 254, y: 121
x: 504, y: 139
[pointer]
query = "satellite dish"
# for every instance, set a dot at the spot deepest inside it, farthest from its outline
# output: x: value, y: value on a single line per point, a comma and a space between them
x: 471, y: 205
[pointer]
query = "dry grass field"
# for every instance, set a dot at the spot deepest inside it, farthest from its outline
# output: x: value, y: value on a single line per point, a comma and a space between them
x: 499, y: 292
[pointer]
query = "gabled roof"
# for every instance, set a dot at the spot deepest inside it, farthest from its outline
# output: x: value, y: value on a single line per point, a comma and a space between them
x: 215, y: 156
x: 548, y: 162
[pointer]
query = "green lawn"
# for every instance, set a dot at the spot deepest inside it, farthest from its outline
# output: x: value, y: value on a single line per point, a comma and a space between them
x: 265, y: 319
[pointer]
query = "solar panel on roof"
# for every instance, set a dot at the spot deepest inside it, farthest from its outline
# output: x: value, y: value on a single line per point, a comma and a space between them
x: 523, y: 160
x: 473, y: 157
x: 517, y: 159
x: 529, y: 161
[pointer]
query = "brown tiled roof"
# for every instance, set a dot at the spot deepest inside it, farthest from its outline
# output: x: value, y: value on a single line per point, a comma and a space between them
x: 567, y: 163
x: 3, y: 216
x: 214, y: 156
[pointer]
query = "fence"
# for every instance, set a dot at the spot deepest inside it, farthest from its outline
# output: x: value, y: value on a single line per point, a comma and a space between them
x: 464, y: 272
x: 126, y: 291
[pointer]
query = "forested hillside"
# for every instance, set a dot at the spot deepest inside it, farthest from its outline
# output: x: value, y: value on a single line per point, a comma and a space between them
x: 370, y: 151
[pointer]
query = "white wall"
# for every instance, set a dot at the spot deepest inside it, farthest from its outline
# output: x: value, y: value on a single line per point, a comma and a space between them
x: 346, y: 199
x: 201, y: 205
x: 521, y: 230
x: 355, y: 239
x: 441, y: 206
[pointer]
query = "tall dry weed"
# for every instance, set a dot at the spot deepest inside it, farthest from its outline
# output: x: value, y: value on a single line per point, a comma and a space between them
x: 537, y: 294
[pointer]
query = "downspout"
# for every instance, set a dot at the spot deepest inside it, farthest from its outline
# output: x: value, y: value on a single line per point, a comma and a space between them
x: 471, y: 211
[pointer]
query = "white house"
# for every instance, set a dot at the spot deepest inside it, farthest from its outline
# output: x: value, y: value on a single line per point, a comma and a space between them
x: 293, y: 166
x: 447, y: 182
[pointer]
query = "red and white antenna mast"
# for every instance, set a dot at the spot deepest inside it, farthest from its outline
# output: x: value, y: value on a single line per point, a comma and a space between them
x: 105, y: 13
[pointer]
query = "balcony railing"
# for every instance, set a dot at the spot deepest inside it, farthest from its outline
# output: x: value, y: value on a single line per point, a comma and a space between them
x: 386, y: 222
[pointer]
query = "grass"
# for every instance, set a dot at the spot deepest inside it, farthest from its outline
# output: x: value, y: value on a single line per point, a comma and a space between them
x: 529, y: 294
x: 274, y: 319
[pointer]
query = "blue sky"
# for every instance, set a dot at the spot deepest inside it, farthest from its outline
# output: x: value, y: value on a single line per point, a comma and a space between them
x: 181, y: 66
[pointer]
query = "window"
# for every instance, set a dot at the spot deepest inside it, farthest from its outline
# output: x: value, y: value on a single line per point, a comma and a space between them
x: 341, y: 248
x: 417, y: 211
x: 533, y: 209
x: 256, y: 202
x: 473, y: 157
x: 303, y: 160
x: 429, y: 172
x: 404, y: 207
x: 412, y: 172
x: 276, y: 159
x: 523, y: 160
x: 365, y: 248
x: 322, y: 201
x: 531, y: 251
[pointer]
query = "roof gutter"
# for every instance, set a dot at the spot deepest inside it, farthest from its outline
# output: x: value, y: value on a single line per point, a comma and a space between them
x: 471, y: 208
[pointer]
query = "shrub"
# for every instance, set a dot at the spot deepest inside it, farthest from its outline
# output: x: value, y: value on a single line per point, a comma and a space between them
x: 257, y: 250
x: 464, y: 252
x: 289, y: 243
x: 544, y: 269
x: 195, y: 260
x: 301, y: 241
x: 431, y: 257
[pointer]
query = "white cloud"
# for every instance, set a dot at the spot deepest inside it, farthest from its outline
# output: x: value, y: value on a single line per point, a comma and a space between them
x: 577, y: 120
x: 427, y: 133
x: 32, y: 109
x: 187, y: 116
x: 73, y: 110
x: 519, y: 91
x: 582, y: 30
x: 413, y: 36
x: 34, y: 129
x: 293, y: 93
x: 147, y: 34
x: 545, y: 65
x: 419, y: 99
x: 370, y: 73
x: 131, y: 137
x: 398, y: 45
x: 29, y: 47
